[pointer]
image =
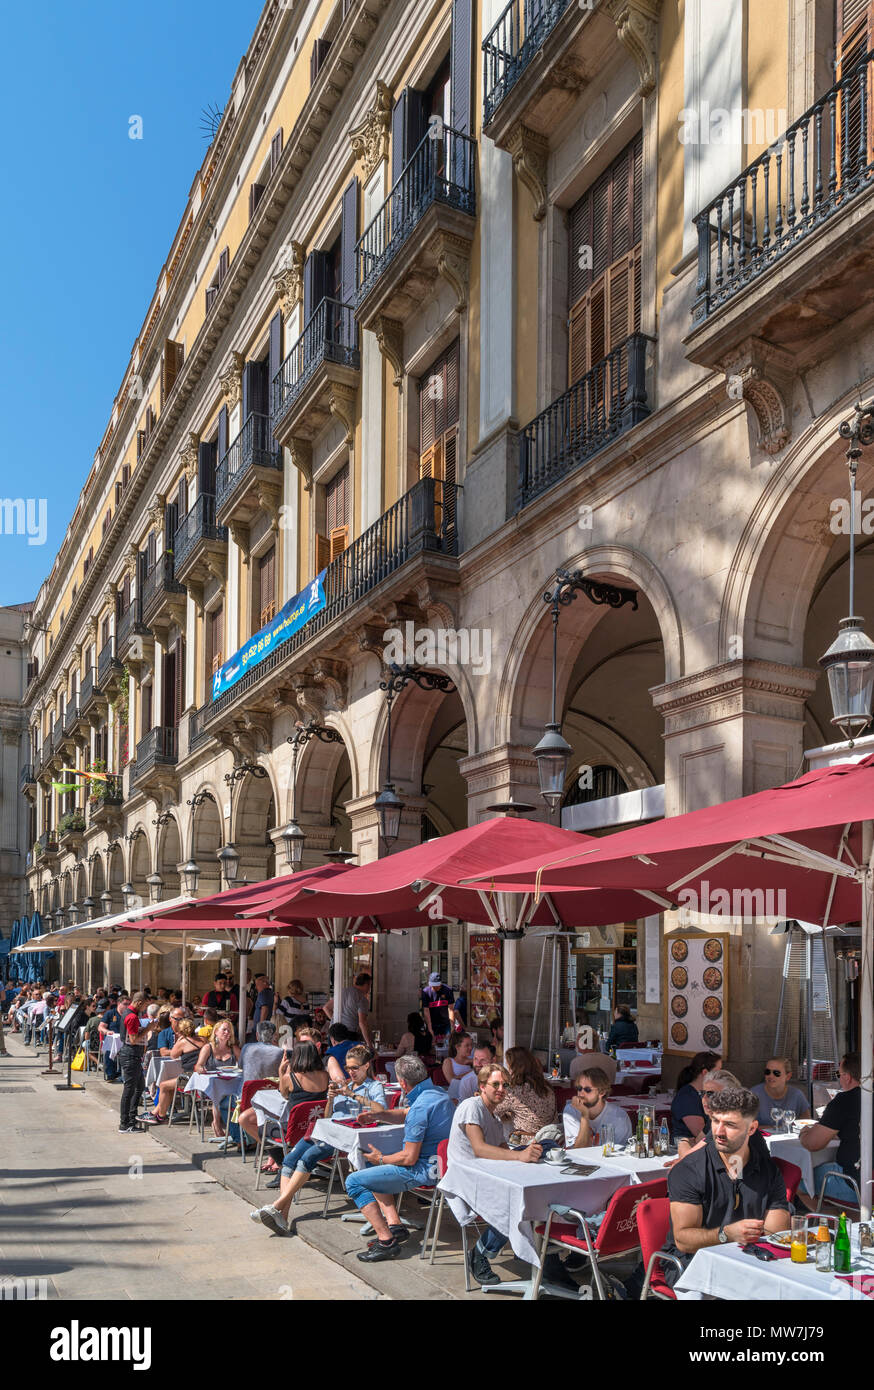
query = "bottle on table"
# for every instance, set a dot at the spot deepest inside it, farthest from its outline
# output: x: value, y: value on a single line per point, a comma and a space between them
x: 556, y: 1064
x: 647, y: 1134
x: 823, y: 1249
x: 664, y: 1137
x: 842, y: 1246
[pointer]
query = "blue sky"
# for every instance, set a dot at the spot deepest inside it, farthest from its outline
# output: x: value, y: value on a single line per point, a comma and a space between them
x: 88, y: 219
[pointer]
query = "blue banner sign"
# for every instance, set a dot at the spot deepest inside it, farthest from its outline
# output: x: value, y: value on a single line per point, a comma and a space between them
x: 289, y: 620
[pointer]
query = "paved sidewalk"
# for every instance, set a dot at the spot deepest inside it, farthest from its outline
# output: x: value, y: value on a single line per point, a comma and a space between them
x: 102, y: 1215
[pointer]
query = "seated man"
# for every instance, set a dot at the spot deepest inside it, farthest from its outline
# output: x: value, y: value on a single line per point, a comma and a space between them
x: 483, y: 1055
x: 428, y: 1120
x: 729, y: 1190
x: 167, y: 1036
x: 478, y: 1133
x: 841, y: 1120
x: 583, y: 1116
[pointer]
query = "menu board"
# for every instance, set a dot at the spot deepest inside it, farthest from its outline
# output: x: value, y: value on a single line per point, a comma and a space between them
x: 485, y: 978
x: 696, y: 993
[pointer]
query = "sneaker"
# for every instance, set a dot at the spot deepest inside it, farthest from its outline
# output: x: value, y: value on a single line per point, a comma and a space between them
x: 378, y: 1252
x: 481, y: 1269
x: 255, y: 1215
x: 126, y: 1129
x: 154, y: 1119
x: 274, y: 1221
x: 400, y: 1234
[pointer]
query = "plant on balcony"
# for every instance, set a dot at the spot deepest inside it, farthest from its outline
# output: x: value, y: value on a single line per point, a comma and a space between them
x: 37, y: 850
x: 72, y: 820
x: 121, y: 706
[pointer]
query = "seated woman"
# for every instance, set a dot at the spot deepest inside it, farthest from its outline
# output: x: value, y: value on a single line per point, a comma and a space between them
x: 529, y: 1103
x: 360, y: 1093
x: 187, y: 1049
x: 301, y: 1078
x: 416, y: 1039
x: 688, y: 1115
x: 623, y: 1032
x: 222, y: 1047
x: 775, y: 1092
x: 457, y: 1065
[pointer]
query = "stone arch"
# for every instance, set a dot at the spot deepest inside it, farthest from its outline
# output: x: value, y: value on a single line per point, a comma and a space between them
x: 412, y: 716
x: 250, y: 805
x: 522, y: 706
x: 612, y: 748
x: 317, y: 768
x: 81, y: 880
x: 115, y: 875
x: 97, y: 882
x: 140, y: 866
x: 168, y: 856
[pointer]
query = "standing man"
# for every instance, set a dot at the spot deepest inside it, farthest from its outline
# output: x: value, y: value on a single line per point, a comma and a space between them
x: 264, y: 1001
x: 137, y: 1031
x: 436, y: 999
x: 354, y: 1008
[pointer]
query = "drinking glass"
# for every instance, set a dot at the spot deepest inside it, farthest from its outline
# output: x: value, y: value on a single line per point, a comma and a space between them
x: 798, y: 1246
x: 777, y: 1117
x: 608, y: 1138
x: 789, y: 1120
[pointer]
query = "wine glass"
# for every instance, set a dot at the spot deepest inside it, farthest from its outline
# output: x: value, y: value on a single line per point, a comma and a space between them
x: 789, y: 1120
x: 777, y: 1117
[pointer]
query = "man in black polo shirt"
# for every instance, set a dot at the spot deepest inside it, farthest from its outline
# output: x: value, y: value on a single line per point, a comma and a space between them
x: 729, y: 1191
x: 841, y: 1120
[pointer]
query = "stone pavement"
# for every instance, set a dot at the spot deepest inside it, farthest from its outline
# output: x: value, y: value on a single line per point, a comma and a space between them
x: 102, y: 1215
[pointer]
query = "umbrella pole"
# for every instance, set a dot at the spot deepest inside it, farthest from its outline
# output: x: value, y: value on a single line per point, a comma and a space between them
x: 509, y: 1005
x: 184, y: 963
x: 867, y: 1020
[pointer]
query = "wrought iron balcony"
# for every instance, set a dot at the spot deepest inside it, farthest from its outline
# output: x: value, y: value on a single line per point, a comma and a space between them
x: 434, y: 197
x: 163, y: 598
x: 108, y: 667
x: 424, y: 521
x: 197, y: 733
x: 252, y: 464
x: 26, y: 777
x: 511, y: 44
x: 197, y: 536
x: 89, y: 691
x: 130, y: 625
x: 46, y: 844
x: 607, y: 401
x: 797, y: 215
x: 105, y: 800
x: 72, y: 716
x: 155, y: 753
x: 326, y: 352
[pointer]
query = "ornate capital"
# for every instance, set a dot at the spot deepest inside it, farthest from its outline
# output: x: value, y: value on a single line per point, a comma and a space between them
x: 390, y: 337
x: 240, y: 537
x: 342, y: 404
x: 453, y: 263
x: 156, y: 512
x: 530, y: 152
x: 269, y: 496
x: 188, y: 457
x: 91, y: 630
x: 637, y: 26
x: 288, y: 281
x: 761, y: 375
x: 301, y: 451
x: 231, y: 380
x: 130, y: 563
x: 370, y: 140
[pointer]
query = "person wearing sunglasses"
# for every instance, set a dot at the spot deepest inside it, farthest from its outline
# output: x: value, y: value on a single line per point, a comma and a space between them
x: 589, y: 1109
x: 775, y: 1090
x: 478, y: 1133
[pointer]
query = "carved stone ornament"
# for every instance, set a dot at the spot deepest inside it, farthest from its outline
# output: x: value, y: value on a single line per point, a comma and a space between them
x: 240, y: 537
x: 188, y: 457
x: 342, y: 404
x: 370, y: 140
x: 637, y: 25
x: 761, y: 375
x: 567, y: 76
x: 231, y: 380
x: 530, y: 152
x: 156, y: 512
x: 301, y: 451
x: 130, y: 563
x: 269, y: 497
x: 453, y: 263
x: 390, y: 337
x: 288, y: 280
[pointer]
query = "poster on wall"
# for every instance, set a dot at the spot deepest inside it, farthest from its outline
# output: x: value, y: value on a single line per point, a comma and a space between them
x: 696, y: 993
x: 485, y: 978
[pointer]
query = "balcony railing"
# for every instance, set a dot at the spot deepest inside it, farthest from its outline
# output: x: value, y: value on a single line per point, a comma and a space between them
x: 107, y: 662
x: 425, y: 519
x: 330, y: 335
x: 26, y: 777
x: 71, y: 717
x: 511, y: 44
x: 608, y: 400
x: 131, y: 623
x: 196, y: 731
x: 159, y: 747
x: 198, y: 525
x: 104, y: 798
x: 48, y: 746
x: 810, y: 173
x: 252, y: 448
x: 89, y: 688
x: 160, y: 580
x: 441, y: 170
x: 47, y: 843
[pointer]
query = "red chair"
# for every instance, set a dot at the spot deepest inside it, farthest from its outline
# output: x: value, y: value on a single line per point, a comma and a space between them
x: 250, y: 1088
x: 791, y: 1176
x: 617, y: 1234
x: 562, y: 1095
x: 653, y: 1224
x: 436, y: 1075
x: 300, y: 1118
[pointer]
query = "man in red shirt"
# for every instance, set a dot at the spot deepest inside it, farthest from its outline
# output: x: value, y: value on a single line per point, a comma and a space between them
x: 136, y: 1032
x: 223, y: 999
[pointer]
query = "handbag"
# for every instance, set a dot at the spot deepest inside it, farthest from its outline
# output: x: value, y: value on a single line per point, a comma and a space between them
x: 78, y: 1062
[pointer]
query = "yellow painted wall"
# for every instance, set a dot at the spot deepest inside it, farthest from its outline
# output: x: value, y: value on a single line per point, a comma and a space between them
x: 767, y: 66
x: 670, y: 151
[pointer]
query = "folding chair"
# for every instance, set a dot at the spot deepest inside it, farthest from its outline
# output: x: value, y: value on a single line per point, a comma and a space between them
x: 846, y: 1178
x: 250, y: 1088
x: 653, y: 1224
x: 300, y: 1117
x: 617, y: 1233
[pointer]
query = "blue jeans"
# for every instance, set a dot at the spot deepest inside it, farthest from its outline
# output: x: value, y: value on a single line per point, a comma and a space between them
x: 387, y: 1178
x: 304, y: 1157
x: 491, y: 1242
x: 837, y: 1190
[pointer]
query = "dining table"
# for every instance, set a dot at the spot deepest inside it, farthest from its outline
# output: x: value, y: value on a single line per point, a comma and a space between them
x: 727, y: 1272
x: 790, y: 1148
x: 215, y: 1086
x: 160, y: 1069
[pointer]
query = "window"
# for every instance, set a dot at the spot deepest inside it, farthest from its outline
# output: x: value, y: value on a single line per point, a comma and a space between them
x: 854, y: 28
x: 438, y: 432
x: 604, y: 271
x: 107, y: 520
x: 171, y: 366
x: 141, y: 443
x: 267, y: 586
x: 337, y: 513
x: 218, y: 279
x: 320, y: 51
x: 605, y: 780
x: 214, y: 642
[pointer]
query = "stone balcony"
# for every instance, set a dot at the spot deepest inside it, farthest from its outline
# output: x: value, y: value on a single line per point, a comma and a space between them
x: 319, y: 378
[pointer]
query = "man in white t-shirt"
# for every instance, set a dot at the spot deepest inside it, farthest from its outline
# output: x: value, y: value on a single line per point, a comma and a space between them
x: 478, y: 1133
x: 468, y: 1086
x: 589, y: 1110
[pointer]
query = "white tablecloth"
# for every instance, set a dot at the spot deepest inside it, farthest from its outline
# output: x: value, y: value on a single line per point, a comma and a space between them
x: 726, y: 1272
x: 661, y: 1101
x: 214, y: 1086
x: 111, y: 1044
x: 270, y: 1104
x: 389, y: 1139
x: 634, y: 1169
x: 160, y: 1069
x: 512, y: 1196
x: 789, y: 1147
x: 625, y: 1055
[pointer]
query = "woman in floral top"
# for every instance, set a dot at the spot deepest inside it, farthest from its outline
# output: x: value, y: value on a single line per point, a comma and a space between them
x: 529, y: 1103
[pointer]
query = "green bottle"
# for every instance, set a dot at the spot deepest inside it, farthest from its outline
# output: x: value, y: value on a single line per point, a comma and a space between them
x: 842, y: 1247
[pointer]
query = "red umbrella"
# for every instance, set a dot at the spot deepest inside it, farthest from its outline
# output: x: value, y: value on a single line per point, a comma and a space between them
x: 803, y: 850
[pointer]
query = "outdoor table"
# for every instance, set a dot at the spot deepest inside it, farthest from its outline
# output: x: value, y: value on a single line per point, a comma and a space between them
x: 112, y: 1044
x: 160, y: 1069
x: 631, y: 1055
x: 387, y: 1138
x: 661, y: 1103
x: 513, y: 1196
x: 724, y: 1271
x: 633, y: 1168
x: 215, y: 1088
x: 789, y: 1146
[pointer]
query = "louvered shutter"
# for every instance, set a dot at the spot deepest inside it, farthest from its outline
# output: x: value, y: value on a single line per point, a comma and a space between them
x: 206, y: 465
x: 179, y: 693
x: 211, y: 293
x: 348, y: 239
x: 141, y: 443
x: 855, y: 30
x: 171, y: 365
x: 266, y: 585
x: 171, y: 521
x: 224, y: 264
x: 274, y: 356
x: 462, y: 65
x: 215, y: 638
x: 323, y: 553
x: 318, y: 56
x: 275, y: 149
x: 256, y: 193
x: 222, y: 443
x: 151, y: 551
x: 398, y: 135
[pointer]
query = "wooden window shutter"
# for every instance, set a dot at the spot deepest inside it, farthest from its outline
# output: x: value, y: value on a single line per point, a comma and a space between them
x: 182, y: 499
x: 119, y: 489
x: 431, y: 461
x: 451, y: 386
x: 171, y: 365
x: 462, y: 65
x: 338, y: 541
x: 275, y: 149
x: 323, y: 553
x: 317, y: 57
x: 336, y: 500
x: 141, y: 443
x: 266, y: 585
x: 151, y: 551
x: 256, y: 193
x: 214, y: 638
x: 125, y: 475
x: 125, y: 594
x: 222, y: 441
x: 223, y: 265
x: 855, y: 31
x: 211, y: 292
x: 206, y: 465
x: 348, y: 239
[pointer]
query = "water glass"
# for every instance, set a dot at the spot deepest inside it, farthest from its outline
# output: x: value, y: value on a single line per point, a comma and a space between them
x: 608, y: 1139
x: 777, y: 1118
x: 789, y: 1120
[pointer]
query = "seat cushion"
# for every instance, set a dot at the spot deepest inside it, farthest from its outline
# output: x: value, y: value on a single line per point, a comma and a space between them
x: 564, y: 1233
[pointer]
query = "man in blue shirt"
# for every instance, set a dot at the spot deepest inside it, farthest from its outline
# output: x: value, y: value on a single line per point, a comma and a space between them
x: 341, y: 1041
x: 428, y: 1113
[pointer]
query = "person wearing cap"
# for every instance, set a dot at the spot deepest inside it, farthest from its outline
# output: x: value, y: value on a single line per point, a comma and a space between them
x: 354, y: 1002
x: 436, y: 999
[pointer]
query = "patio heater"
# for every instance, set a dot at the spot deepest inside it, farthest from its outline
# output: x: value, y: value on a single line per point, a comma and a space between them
x: 805, y: 1029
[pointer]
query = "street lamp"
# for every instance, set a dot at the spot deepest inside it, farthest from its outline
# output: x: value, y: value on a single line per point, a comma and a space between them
x: 230, y: 863
x: 73, y: 914
x: 340, y: 856
x: 87, y: 908
x: 293, y: 839
x: 127, y: 892
x: 553, y: 752
x: 389, y: 807
x: 156, y: 883
x: 190, y: 874
x: 58, y: 918
x: 105, y: 902
x: 388, y: 804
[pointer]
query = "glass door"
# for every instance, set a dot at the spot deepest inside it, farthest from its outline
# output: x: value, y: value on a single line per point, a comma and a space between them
x: 592, y: 976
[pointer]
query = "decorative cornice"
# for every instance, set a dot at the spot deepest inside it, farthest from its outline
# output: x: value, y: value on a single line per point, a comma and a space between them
x: 734, y: 678
x: 231, y: 380
x: 530, y: 154
x: 188, y: 456
x: 341, y: 401
x: 761, y: 375
x: 288, y: 281
x: 637, y: 26
x: 370, y: 140
x: 390, y: 338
